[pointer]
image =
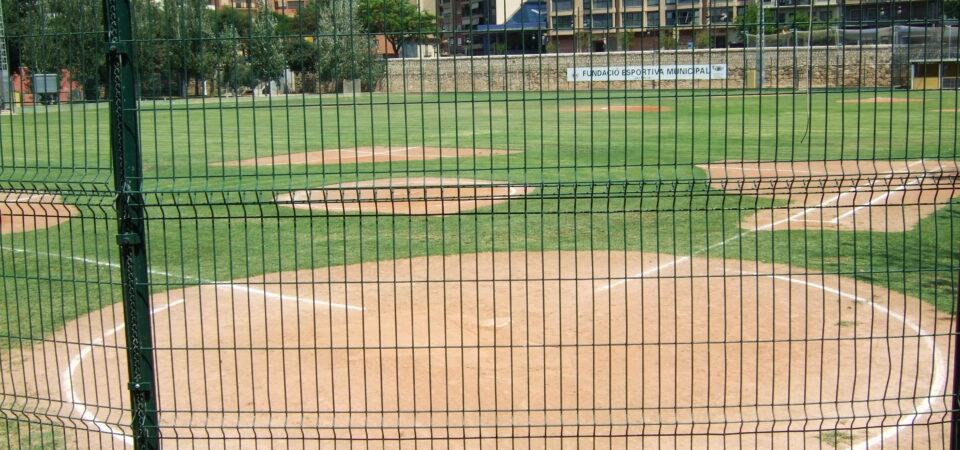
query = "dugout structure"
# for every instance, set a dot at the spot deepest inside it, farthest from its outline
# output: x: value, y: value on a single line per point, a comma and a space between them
x: 676, y: 258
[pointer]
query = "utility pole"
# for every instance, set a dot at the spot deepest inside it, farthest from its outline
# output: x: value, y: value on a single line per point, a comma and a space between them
x: 763, y: 38
x: 6, y: 91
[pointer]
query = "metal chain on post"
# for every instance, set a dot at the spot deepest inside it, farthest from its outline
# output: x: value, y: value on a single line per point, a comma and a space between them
x: 127, y: 168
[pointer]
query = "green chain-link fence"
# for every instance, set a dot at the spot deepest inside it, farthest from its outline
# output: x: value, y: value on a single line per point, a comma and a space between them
x: 380, y: 223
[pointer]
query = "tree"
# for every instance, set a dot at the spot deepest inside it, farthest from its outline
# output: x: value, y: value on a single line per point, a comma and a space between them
x: 749, y: 21
x: 235, y: 73
x: 51, y: 35
x: 265, y: 49
x: 399, y: 21
x: 951, y: 9
x: 345, y: 52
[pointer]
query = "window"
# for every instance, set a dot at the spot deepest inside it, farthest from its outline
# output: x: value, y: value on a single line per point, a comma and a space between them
x: 721, y: 15
x: 562, y: 22
x: 653, y: 2
x: 599, y: 4
x: 633, y: 19
x: 687, y: 16
x: 632, y: 3
x: 653, y: 19
x: 670, y: 2
x: 562, y: 5
x: 670, y: 18
x: 600, y: 20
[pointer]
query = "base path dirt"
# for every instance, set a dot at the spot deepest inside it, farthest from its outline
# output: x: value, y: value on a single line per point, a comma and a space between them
x: 616, y: 349
x: 367, y: 154
x: 431, y: 196
x: 29, y: 211
x: 616, y: 108
x: 840, y: 195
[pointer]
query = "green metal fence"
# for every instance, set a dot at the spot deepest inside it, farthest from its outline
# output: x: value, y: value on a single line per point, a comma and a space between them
x: 475, y: 224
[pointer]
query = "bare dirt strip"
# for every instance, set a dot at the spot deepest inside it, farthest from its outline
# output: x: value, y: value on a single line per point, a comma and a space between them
x: 29, y: 211
x: 613, y: 349
x: 616, y: 108
x: 366, y: 154
x: 431, y: 196
x: 840, y: 195
x: 880, y: 100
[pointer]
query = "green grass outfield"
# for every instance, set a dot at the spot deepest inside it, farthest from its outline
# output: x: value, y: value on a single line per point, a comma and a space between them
x: 607, y: 180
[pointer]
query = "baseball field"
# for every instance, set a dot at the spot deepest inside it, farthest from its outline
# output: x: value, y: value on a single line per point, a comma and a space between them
x: 605, y: 268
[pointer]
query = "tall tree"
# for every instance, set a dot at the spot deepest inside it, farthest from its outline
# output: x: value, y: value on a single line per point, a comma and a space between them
x: 749, y: 21
x: 265, y: 52
x: 399, y: 21
x: 52, y: 35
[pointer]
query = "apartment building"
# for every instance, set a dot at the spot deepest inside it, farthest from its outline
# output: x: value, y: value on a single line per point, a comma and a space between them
x: 287, y: 7
x: 599, y: 25
x: 459, y: 21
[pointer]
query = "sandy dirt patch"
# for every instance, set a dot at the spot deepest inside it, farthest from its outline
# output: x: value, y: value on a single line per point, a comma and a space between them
x: 880, y: 100
x: 29, y: 211
x: 840, y: 195
x: 367, y: 154
x: 612, y: 349
x: 616, y: 108
x: 431, y: 196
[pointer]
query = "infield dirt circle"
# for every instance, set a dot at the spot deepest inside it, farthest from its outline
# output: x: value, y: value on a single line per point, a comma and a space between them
x: 29, y: 211
x: 550, y: 346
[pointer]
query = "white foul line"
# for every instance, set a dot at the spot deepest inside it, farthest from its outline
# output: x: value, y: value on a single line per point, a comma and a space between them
x: 940, y: 375
x: 831, y: 200
x: 874, y: 200
x: 66, y: 380
x: 67, y: 375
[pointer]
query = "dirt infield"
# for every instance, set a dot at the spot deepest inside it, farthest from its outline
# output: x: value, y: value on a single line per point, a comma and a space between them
x: 29, y: 211
x: 616, y: 108
x: 840, y: 195
x: 880, y: 100
x: 432, y: 196
x: 366, y: 154
x: 540, y: 345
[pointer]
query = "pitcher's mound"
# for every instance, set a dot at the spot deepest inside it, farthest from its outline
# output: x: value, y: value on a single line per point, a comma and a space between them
x: 29, y: 211
x: 616, y: 108
x: 433, y: 196
x: 366, y: 154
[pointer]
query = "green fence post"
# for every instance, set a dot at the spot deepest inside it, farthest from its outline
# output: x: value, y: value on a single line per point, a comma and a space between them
x: 128, y: 171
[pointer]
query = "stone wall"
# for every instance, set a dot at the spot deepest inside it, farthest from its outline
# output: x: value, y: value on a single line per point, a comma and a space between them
x: 784, y: 67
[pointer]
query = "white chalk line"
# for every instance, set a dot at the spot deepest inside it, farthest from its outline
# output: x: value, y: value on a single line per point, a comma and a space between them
x: 85, y: 351
x: 920, y: 408
x: 830, y: 201
x: 69, y: 374
x: 881, y: 197
x: 923, y: 406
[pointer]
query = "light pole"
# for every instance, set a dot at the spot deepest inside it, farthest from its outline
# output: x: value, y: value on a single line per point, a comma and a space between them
x: 5, y: 88
x: 762, y: 35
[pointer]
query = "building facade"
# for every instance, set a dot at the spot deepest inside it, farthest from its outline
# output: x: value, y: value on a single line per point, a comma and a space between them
x: 599, y: 25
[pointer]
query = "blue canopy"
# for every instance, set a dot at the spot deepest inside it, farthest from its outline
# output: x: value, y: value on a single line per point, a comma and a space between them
x: 532, y: 15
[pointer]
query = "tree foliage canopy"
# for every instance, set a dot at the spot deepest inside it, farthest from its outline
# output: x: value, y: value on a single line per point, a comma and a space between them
x: 399, y: 21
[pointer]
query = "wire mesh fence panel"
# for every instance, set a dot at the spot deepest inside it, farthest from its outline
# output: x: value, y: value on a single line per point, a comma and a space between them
x: 378, y: 223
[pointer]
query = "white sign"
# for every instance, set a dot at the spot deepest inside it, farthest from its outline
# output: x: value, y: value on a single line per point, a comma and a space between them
x: 649, y: 73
